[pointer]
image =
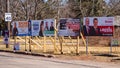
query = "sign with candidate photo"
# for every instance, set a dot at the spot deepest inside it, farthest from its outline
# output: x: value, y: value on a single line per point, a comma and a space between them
x: 20, y: 28
x: 35, y: 27
x: 49, y: 27
x: 98, y: 26
x: 69, y: 27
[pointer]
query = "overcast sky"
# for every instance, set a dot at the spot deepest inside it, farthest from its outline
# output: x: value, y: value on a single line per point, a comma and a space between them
x: 106, y: 1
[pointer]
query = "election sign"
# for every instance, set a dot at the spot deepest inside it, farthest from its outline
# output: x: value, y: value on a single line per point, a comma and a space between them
x: 49, y: 27
x: 20, y: 28
x: 98, y: 26
x: 35, y: 25
x: 69, y: 27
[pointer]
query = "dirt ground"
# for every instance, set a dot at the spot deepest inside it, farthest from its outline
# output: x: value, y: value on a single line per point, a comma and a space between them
x: 97, y: 58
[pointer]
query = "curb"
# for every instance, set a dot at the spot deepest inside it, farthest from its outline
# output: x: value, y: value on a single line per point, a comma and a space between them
x: 29, y: 53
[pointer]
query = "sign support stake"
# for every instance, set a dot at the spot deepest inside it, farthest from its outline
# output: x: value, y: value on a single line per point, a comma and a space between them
x: 30, y: 43
x: 44, y: 47
x: 25, y: 43
x: 55, y: 48
x: 86, y: 45
x: 77, y: 47
x: 111, y: 46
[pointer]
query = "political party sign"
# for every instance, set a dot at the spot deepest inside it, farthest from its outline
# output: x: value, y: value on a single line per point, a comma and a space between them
x: 69, y: 27
x: 20, y: 28
x: 49, y: 27
x: 35, y: 27
x: 98, y: 26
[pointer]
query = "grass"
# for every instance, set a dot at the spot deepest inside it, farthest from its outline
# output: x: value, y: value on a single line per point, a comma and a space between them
x: 67, y: 48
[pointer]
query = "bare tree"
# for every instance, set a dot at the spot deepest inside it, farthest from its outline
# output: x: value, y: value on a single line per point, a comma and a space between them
x: 32, y: 9
x: 113, y: 8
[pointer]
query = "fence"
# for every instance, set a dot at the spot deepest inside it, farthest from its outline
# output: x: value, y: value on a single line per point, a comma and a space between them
x: 62, y: 45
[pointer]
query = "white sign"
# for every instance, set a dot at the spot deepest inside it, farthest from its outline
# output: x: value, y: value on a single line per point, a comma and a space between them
x: 98, y: 26
x: 117, y: 21
x: 8, y: 17
x: 20, y: 28
x: 69, y: 27
x: 49, y: 27
x: 35, y: 27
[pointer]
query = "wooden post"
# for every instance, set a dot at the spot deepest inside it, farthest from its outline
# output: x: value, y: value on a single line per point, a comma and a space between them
x: 14, y: 40
x: 30, y: 43
x: 25, y: 43
x: 111, y: 45
x: 77, y: 47
x: 83, y: 39
x: 61, y: 45
x: 55, y: 48
x: 87, y: 45
x: 44, y: 47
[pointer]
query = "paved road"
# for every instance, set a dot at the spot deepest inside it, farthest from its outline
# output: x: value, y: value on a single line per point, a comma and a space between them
x: 10, y: 60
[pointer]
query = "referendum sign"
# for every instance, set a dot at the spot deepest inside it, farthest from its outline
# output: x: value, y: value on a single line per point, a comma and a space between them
x: 98, y: 26
x: 69, y: 27
x: 20, y: 28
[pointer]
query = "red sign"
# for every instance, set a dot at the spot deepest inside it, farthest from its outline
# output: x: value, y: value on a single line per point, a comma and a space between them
x: 106, y: 30
x: 98, y: 26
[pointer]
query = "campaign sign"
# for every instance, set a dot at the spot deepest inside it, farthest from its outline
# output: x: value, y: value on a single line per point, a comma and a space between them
x: 49, y: 27
x: 98, y: 26
x: 20, y: 28
x: 35, y: 24
x: 69, y: 27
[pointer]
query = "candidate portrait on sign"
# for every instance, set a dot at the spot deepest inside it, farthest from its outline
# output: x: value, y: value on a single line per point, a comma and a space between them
x: 95, y: 30
x: 86, y: 27
x: 41, y: 29
x: 15, y: 30
x: 52, y: 27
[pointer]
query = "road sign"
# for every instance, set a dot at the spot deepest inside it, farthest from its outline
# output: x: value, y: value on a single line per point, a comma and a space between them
x: 8, y: 17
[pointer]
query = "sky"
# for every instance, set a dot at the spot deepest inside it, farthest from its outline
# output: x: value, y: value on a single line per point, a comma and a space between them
x: 106, y: 1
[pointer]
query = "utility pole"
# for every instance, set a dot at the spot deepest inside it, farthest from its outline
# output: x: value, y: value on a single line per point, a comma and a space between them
x: 8, y: 10
x: 80, y: 4
x: 8, y: 6
x: 93, y: 7
x: 81, y: 8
